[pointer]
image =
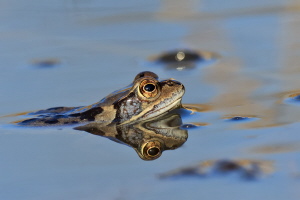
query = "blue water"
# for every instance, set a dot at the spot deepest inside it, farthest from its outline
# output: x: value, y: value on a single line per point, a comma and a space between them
x: 99, y: 46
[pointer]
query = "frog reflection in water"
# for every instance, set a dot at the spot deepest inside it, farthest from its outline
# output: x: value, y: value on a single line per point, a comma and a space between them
x: 148, y: 138
x: 144, y: 99
x: 136, y: 115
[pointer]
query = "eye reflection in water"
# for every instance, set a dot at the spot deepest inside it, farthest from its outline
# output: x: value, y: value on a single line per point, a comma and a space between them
x: 149, y: 138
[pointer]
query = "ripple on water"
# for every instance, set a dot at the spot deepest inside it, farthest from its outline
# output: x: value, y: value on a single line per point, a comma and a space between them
x: 193, y: 125
x: 183, y: 59
x: 277, y: 148
x: 194, y: 108
x: 293, y: 99
x: 240, y: 118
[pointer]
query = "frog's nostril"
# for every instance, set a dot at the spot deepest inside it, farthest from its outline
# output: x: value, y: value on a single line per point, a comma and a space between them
x: 173, y: 82
x: 170, y: 83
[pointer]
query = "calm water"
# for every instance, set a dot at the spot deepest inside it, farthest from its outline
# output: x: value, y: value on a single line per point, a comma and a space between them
x: 74, y: 52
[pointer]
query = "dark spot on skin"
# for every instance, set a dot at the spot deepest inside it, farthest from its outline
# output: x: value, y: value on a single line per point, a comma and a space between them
x: 28, y: 121
x: 140, y: 75
x: 89, y: 114
x: 146, y: 74
x: 61, y: 116
x: 75, y: 115
x: 51, y: 121
x: 55, y: 108
x: 34, y: 121
x: 72, y: 122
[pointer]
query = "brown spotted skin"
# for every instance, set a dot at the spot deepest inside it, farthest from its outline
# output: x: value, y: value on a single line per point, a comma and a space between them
x: 145, y: 98
x: 63, y: 119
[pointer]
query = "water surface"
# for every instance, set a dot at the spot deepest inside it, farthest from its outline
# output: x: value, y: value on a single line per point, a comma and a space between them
x: 73, y: 52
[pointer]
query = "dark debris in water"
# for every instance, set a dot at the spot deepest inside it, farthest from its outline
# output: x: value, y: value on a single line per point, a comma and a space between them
x: 238, y: 118
x: 183, y: 59
x: 46, y: 63
x: 245, y: 169
x: 180, y: 56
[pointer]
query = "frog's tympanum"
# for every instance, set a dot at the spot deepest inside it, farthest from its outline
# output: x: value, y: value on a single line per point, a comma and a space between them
x: 144, y: 99
x: 148, y: 138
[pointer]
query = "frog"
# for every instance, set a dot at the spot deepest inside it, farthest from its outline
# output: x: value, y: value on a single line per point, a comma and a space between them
x: 145, y: 98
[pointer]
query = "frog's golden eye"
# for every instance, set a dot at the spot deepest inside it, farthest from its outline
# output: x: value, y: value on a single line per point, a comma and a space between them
x: 149, y: 88
x: 152, y: 150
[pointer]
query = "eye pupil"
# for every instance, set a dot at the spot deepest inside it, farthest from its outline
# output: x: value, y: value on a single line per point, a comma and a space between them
x: 149, y: 87
x: 153, y: 151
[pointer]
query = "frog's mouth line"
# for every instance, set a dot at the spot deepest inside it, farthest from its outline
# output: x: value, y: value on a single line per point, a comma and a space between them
x: 164, y: 109
x: 166, y: 106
